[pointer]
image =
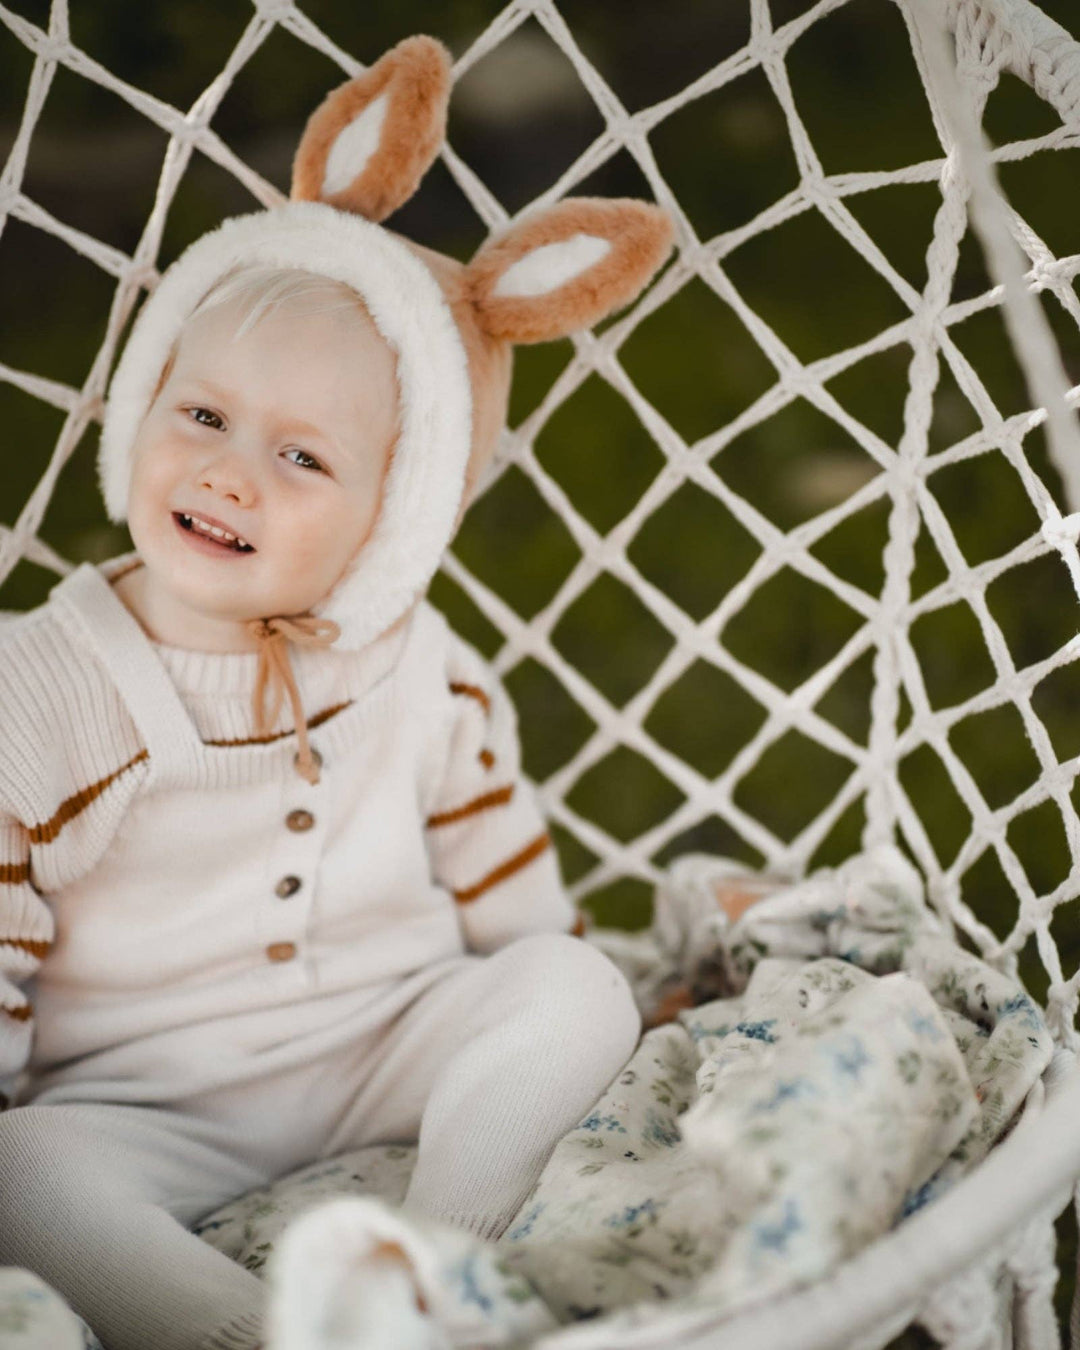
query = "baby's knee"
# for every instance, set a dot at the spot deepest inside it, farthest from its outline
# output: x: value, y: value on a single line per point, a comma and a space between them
x: 26, y: 1141
x: 585, y: 995
x: 31, y: 1158
x: 54, y: 1151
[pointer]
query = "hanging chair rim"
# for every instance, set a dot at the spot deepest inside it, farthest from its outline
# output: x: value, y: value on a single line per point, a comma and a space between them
x: 1033, y: 1168
x: 893, y: 1276
x: 1042, y: 52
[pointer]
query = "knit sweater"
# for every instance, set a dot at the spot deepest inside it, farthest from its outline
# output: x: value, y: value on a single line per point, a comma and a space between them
x: 177, y: 904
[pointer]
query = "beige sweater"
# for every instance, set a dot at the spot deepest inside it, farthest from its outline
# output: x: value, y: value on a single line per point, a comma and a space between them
x: 176, y: 901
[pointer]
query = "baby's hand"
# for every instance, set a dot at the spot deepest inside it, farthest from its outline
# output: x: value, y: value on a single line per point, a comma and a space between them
x: 736, y: 894
x: 671, y: 1004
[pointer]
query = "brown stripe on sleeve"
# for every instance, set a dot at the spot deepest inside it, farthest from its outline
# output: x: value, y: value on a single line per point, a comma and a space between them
x: 506, y: 869
x: 35, y: 946
x: 471, y: 691
x: 22, y: 1014
x: 14, y: 874
x: 71, y: 806
x: 497, y: 798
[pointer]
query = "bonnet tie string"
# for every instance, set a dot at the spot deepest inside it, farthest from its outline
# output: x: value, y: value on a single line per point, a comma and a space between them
x: 274, y: 634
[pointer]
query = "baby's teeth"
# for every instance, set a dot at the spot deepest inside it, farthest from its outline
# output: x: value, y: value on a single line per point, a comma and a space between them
x: 213, y: 529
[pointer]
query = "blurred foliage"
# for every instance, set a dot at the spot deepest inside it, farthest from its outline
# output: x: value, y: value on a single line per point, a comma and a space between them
x: 519, y: 118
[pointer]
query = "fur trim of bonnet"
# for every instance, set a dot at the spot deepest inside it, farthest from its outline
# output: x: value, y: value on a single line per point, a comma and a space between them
x: 427, y: 469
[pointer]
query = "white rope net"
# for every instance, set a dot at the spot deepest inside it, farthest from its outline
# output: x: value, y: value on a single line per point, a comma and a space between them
x: 991, y: 37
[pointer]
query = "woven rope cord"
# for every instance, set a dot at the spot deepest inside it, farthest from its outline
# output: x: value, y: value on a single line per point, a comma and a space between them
x: 989, y: 38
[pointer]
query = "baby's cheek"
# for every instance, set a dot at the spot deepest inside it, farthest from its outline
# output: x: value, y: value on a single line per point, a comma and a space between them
x: 153, y: 470
x: 312, y: 533
x: 316, y: 553
x: 358, y: 520
x: 144, y: 485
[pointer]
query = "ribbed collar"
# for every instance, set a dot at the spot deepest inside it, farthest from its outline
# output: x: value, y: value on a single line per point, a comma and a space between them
x: 231, y: 675
x: 176, y: 728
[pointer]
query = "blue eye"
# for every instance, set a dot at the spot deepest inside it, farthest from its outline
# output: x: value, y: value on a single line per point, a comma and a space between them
x: 297, y: 451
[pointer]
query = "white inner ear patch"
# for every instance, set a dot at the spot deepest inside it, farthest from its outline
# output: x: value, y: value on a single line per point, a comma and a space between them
x: 550, y: 266
x: 354, y: 146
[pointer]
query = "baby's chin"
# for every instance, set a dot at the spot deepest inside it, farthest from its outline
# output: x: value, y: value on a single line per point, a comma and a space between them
x: 255, y: 612
x: 249, y: 603
x: 235, y: 589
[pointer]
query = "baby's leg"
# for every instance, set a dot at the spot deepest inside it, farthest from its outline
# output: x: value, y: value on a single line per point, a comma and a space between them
x: 495, y: 1063
x: 95, y: 1198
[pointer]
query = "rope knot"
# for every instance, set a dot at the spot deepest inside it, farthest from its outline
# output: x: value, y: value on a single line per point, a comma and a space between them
x: 1062, y: 531
x: 273, y: 635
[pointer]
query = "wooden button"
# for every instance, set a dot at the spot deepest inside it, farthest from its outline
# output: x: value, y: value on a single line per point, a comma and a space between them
x: 281, y: 951
x: 314, y: 755
x: 300, y: 820
x: 287, y: 886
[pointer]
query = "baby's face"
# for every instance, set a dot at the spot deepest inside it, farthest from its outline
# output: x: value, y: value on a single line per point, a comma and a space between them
x: 284, y: 438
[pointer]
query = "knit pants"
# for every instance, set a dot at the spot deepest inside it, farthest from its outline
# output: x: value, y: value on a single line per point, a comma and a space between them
x: 488, y: 1067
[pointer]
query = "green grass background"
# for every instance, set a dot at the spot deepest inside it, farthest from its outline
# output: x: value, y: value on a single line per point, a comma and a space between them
x: 519, y: 118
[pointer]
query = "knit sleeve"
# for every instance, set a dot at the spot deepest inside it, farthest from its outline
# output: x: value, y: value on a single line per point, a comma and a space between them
x: 487, y: 838
x: 26, y: 934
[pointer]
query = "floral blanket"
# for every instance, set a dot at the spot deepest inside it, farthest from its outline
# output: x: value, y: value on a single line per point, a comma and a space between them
x: 844, y: 1061
x: 859, y: 1063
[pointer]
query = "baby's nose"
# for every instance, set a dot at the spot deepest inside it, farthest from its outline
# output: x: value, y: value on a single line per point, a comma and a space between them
x: 231, y: 477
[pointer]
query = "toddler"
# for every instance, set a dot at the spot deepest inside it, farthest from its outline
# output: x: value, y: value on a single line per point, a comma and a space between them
x: 271, y: 884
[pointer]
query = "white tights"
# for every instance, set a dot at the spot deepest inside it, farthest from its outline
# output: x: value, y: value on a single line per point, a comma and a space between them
x: 488, y: 1068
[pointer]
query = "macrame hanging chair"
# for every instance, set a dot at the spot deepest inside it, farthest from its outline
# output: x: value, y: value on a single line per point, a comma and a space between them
x: 977, y: 1268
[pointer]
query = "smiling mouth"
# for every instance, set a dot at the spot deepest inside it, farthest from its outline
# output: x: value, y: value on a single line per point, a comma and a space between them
x: 184, y: 522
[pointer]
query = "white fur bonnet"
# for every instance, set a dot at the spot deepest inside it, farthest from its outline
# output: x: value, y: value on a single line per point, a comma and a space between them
x: 427, y: 470
x: 557, y: 270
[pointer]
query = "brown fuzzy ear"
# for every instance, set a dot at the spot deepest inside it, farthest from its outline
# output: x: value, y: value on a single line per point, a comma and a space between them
x: 368, y: 144
x: 565, y: 267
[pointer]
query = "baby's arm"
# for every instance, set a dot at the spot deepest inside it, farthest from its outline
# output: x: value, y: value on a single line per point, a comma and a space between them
x: 26, y: 934
x: 487, y: 839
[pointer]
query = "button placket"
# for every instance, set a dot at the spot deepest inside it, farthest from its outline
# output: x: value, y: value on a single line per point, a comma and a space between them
x: 284, y: 926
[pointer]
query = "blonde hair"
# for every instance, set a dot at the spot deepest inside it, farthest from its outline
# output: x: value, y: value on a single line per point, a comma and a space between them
x: 269, y: 287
